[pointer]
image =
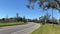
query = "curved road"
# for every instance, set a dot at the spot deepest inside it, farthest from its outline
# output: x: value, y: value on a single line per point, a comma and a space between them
x: 19, y: 29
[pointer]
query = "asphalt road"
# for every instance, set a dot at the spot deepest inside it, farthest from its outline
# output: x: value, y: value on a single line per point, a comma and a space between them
x: 19, y: 29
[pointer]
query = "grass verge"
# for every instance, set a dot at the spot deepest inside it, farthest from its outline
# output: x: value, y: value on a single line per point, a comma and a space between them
x: 47, y: 29
x: 11, y: 24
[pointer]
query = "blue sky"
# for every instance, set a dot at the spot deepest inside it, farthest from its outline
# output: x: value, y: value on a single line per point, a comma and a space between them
x: 11, y: 7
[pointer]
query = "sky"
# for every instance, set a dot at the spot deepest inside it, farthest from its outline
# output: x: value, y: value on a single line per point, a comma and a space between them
x: 11, y: 7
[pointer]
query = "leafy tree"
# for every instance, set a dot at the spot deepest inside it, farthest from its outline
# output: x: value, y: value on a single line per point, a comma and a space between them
x: 17, y: 18
x: 35, y: 20
x: 54, y: 4
x: 24, y: 20
x: 2, y: 20
x: 59, y: 21
x: 45, y: 18
x: 17, y: 15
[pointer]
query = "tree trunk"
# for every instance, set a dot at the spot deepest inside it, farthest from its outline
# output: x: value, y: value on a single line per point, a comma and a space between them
x: 52, y: 17
x: 46, y: 16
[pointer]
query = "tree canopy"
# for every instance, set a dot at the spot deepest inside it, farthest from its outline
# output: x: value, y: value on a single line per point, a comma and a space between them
x: 50, y: 4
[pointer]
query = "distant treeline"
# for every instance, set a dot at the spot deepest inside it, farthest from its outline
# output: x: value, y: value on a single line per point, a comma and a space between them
x: 17, y: 18
x: 46, y: 20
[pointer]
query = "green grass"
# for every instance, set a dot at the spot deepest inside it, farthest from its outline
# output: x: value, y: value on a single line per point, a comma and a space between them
x: 11, y: 24
x: 47, y: 29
